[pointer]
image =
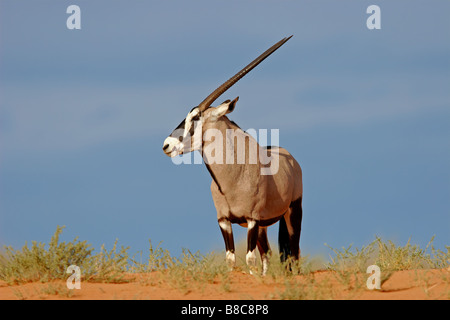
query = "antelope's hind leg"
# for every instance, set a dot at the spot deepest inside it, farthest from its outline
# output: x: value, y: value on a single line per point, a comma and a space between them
x: 289, y: 237
x: 227, y: 233
x: 294, y: 224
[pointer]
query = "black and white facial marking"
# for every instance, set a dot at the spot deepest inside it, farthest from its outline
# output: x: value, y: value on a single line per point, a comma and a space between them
x: 186, y: 137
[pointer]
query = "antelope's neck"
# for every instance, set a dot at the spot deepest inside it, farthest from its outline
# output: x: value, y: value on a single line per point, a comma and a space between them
x: 231, y: 157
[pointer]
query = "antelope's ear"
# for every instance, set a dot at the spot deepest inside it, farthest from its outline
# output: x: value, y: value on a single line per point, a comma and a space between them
x: 224, y: 108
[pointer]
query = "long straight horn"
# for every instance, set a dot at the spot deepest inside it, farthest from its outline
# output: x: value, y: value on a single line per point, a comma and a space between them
x: 226, y: 85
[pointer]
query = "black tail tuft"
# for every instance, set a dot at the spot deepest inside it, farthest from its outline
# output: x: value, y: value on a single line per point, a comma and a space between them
x: 283, y: 241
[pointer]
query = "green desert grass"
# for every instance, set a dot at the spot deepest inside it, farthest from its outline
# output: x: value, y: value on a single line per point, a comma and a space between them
x: 195, y: 271
x: 349, y: 265
x: 45, y: 263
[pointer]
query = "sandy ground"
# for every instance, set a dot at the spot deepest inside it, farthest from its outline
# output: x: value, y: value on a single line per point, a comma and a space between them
x: 402, y: 285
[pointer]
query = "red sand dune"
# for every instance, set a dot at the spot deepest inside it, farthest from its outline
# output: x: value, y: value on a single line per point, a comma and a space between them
x: 402, y: 285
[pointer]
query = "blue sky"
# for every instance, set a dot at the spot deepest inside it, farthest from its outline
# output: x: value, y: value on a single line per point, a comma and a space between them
x: 83, y: 114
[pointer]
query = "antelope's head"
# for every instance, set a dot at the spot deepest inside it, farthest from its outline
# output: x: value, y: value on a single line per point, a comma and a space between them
x: 188, y: 135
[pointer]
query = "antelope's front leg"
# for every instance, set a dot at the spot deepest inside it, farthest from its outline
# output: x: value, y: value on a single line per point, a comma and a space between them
x: 252, y: 239
x: 227, y: 233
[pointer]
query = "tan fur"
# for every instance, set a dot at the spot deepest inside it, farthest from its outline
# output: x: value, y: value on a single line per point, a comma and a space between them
x: 246, y: 193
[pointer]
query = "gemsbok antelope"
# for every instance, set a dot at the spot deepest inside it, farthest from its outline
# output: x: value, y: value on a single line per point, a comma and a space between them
x: 242, y: 193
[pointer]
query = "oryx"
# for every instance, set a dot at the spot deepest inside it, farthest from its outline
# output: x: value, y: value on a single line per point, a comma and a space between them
x: 241, y: 193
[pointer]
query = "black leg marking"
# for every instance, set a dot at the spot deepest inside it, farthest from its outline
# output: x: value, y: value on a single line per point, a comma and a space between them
x: 252, y: 235
x: 263, y: 242
x: 227, y: 233
x: 252, y: 240
x: 264, y: 249
x: 289, y: 232
x: 296, y: 224
x: 284, y: 244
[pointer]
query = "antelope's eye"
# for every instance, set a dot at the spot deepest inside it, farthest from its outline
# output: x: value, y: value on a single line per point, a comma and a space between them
x: 180, y: 138
x: 196, y: 118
